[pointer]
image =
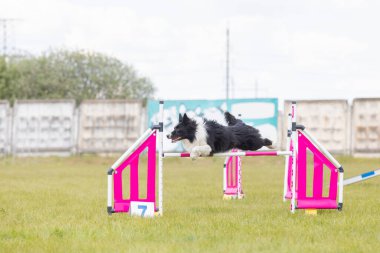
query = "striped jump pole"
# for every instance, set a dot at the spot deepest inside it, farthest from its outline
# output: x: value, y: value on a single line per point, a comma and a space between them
x: 239, y: 153
x: 362, y: 177
x: 288, y: 142
x: 294, y: 139
x: 160, y: 158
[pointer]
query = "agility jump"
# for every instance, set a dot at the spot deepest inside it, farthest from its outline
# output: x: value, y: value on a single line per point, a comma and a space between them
x: 299, y: 141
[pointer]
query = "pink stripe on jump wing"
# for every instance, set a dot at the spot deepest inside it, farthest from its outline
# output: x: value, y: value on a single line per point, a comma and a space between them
x: 317, y: 203
x: 261, y: 153
x: 121, y: 206
x: 185, y: 154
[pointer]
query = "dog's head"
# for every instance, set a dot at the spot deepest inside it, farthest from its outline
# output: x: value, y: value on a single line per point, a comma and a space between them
x: 185, y: 129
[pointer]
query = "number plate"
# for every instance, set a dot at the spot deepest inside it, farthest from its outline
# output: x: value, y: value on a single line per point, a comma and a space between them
x: 142, y: 209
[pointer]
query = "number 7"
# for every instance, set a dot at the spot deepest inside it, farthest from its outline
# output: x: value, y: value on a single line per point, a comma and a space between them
x: 143, y: 208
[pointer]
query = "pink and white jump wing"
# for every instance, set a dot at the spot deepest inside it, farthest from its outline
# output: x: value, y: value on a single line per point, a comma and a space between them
x: 232, y: 186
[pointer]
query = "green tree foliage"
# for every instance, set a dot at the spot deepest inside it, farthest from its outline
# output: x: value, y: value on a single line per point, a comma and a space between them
x: 71, y: 74
x: 7, y: 75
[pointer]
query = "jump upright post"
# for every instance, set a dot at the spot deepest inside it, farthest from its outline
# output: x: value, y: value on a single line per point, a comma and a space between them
x: 299, y: 142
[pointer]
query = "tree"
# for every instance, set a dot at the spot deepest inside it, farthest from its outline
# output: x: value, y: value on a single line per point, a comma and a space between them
x: 72, y: 74
x: 7, y: 75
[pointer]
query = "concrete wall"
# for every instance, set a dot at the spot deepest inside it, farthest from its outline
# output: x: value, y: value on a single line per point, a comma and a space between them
x: 327, y: 120
x: 5, y: 127
x: 109, y: 125
x: 366, y: 126
x: 58, y: 127
x: 43, y: 127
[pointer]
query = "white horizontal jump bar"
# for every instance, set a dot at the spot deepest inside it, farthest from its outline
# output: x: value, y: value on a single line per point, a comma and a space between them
x: 240, y: 153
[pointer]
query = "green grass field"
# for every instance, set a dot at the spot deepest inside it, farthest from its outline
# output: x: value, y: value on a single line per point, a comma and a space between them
x: 59, y: 205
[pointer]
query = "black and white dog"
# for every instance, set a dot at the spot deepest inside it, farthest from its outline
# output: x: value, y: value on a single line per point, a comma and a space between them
x: 202, y: 137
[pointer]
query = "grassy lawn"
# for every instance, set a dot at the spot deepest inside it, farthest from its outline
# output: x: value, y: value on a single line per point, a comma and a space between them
x: 59, y: 205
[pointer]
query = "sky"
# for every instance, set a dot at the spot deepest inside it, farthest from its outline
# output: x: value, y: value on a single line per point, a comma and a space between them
x: 315, y: 49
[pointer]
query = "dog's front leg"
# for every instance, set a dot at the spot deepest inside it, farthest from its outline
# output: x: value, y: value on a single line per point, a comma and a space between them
x: 205, y: 150
x: 195, y: 153
x: 198, y: 151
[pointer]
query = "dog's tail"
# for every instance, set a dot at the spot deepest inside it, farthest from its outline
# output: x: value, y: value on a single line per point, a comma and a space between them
x: 268, y: 143
x: 231, y: 120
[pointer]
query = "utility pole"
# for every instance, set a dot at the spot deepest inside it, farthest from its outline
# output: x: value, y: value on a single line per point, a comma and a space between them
x: 232, y: 88
x: 4, y: 22
x: 228, y: 64
x: 256, y: 88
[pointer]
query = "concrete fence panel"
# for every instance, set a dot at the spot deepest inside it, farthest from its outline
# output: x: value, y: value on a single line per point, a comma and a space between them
x: 327, y: 120
x: 108, y: 126
x: 366, y: 126
x: 5, y: 128
x: 57, y: 127
x: 43, y: 127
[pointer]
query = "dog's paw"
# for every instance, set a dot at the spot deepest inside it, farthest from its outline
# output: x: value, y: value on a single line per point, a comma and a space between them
x: 194, y: 155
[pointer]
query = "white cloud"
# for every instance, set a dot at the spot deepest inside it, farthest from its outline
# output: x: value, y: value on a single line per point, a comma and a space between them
x: 323, y: 51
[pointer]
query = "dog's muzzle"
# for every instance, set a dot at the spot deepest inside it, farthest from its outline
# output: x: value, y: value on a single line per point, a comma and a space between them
x: 170, y: 136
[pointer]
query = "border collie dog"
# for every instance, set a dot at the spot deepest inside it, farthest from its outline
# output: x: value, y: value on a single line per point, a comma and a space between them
x: 202, y: 137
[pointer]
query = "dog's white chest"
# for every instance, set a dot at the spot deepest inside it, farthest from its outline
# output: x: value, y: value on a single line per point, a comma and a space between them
x: 200, y: 137
x: 190, y: 145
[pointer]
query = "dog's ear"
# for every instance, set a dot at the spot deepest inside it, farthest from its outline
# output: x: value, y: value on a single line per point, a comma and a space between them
x: 180, y: 117
x: 185, y: 118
